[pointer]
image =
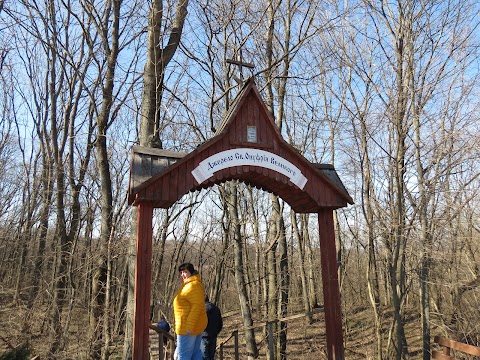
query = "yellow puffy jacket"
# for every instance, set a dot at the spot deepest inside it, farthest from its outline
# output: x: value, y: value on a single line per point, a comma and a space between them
x: 189, y: 307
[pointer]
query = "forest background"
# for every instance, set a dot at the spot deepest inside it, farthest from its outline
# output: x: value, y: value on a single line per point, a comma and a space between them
x: 386, y: 91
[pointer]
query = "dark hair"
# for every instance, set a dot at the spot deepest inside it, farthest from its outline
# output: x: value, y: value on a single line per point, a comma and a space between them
x: 187, y: 266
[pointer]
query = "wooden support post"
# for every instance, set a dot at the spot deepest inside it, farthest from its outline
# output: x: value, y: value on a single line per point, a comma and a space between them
x: 143, y: 279
x: 235, y: 345
x: 271, y: 344
x: 331, y: 289
x: 161, y: 346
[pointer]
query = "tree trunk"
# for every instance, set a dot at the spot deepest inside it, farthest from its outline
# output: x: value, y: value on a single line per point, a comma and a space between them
x: 284, y: 280
x: 43, y: 228
x: 298, y: 233
x: 311, y: 266
x: 62, y: 245
x: 371, y: 271
x: 397, y: 260
x: 257, y: 297
x: 150, y: 128
x: 157, y: 60
x: 272, y: 287
x: 232, y: 201
x: 99, y: 302
x: 425, y: 236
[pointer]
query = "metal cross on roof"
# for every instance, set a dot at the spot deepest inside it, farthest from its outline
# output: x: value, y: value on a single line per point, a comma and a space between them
x: 241, y: 64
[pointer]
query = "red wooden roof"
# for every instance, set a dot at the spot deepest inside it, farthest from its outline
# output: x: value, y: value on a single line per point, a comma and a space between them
x: 323, y: 188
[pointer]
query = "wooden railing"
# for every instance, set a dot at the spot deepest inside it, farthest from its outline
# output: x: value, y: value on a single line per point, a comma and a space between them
x: 448, y: 345
x: 233, y: 336
x: 166, y: 341
x: 268, y: 327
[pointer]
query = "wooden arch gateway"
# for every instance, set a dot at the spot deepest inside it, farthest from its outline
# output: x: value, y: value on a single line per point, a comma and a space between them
x: 247, y: 147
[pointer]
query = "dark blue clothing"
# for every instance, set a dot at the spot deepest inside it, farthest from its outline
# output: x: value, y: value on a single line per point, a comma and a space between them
x: 208, y: 347
x: 164, y: 325
x: 209, y: 336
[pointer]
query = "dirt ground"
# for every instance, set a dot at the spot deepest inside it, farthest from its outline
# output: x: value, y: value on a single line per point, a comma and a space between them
x: 19, y: 326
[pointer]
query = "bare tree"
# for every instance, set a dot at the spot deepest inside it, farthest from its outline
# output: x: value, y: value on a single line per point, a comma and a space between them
x: 385, y: 91
x: 160, y: 52
x: 230, y: 198
x: 163, y: 40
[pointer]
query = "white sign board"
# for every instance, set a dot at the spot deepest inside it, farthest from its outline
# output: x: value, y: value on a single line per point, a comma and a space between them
x: 251, y: 157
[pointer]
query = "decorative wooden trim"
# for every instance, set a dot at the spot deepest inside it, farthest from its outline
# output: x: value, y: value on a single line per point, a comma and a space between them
x: 151, y: 168
x: 252, y: 145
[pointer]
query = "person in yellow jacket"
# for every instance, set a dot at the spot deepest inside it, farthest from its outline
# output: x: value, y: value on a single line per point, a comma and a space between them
x: 190, y: 314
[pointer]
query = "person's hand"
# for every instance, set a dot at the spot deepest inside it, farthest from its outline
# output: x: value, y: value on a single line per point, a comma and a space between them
x: 189, y: 332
